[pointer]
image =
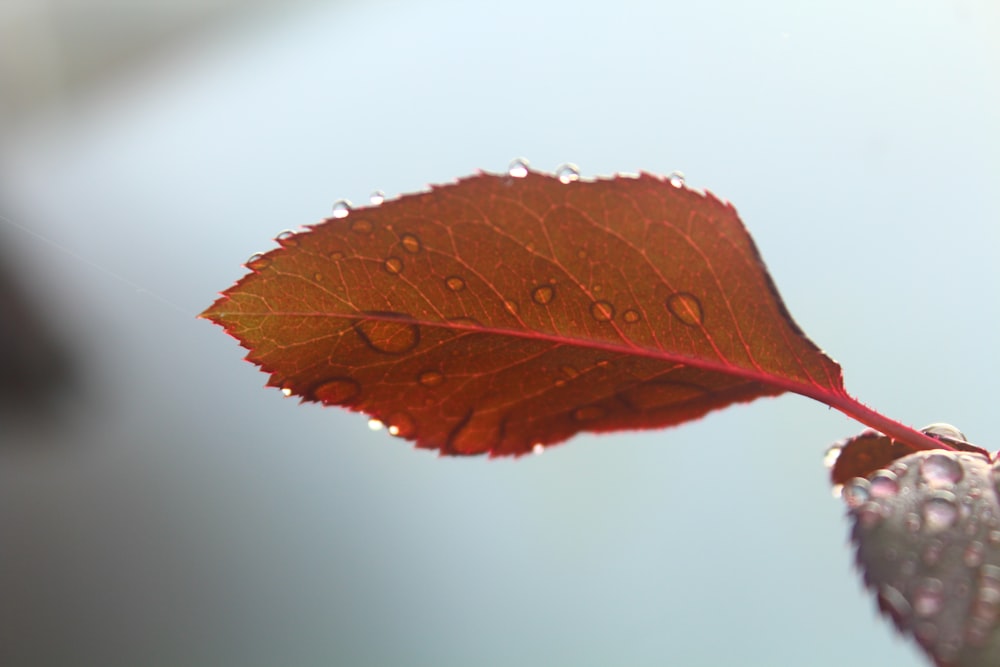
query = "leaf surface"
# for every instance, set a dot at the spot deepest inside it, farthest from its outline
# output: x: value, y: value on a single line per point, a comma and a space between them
x: 506, y: 312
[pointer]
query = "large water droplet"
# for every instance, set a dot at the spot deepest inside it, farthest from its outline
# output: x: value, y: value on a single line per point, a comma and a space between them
x: 602, y: 311
x: 543, y: 295
x: 974, y: 553
x: 856, y: 492
x: 375, y: 424
x: 940, y: 471
x: 430, y: 379
x: 686, y: 307
x: 337, y: 391
x: 518, y: 168
x: 885, y: 484
x: 388, y: 332
x: 676, y: 179
x: 928, y: 597
x: 377, y: 197
x: 257, y: 261
x: 286, y: 239
x: 286, y: 391
x: 454, y: 283
x: 393, y: 265
x: 402, y: 425
x: 944, y: 431
x: 940, y: 511
x: 588, y: 413
x: 410, y: 243
x: 567, y: 173
x: 341, y: 208
x: 361, y: 226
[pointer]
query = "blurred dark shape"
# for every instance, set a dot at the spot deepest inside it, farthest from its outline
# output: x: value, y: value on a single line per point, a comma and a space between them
x: 37, y: 372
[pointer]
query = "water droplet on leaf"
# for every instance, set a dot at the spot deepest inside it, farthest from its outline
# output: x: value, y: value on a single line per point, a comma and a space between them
x: 630, y: 316
x: 286, y: 239
x: 388, y: 333
x: 411, y: 243
x: 286, y: 391
x: 602, y: 311
x: 543, y: 295
x: 402, y: 425
x: 393, y: 265
x: 940, y: 511
x: 567, y: 173
x: 928, y: 597
x: 945, y: 431
x: 856, y: 492
x: 337, y: 391
x: 257, y: 262
x: 518, y: 168
x: 686, y: 307
x: 676, y: 179
x: 884, y: 484
x: 510, y: 306
x: 940, y: 471
x: 538, y: 449
x: 454, y: 283
x: 341, y: 208
x: 375, y: 424
x: 377, y: 197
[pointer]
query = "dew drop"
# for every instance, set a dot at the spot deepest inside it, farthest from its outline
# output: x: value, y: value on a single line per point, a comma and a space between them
x: 430, y: 379
x: 676, y: 179
x: 928, y: 598
x: 884, y: 484
x: 602, y: 311
x: 869, y: 514
x: 337, y: 391
x: 361, y: 226
x: 686, y: 307
x: 510, y: 306
x: 257, y: 262
x: 411, y: 243
x: 543, y: 295
x: 402, y: 425
x: 630, y: 316
x: 389, y: 333
x: 538, y: 449
x: 375, y: 424
x: 518, y: 168
x: 856, y: 492
x: 393, y: 265
x: 287, y: 239
x: 944, y: 431
x: 341, y: 208
x: 567, y: 173
x: 318, y: 277
x: 832, y: 454
x: 454, y: 283
x: 940, y: 511
x: 940, y: 471
x: 588, y: 413
x: 377, y: 197
x: 286, y: 391
x: 973, y: 556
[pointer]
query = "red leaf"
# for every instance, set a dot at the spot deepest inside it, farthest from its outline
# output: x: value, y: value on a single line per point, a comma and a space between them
x: 501, y: 312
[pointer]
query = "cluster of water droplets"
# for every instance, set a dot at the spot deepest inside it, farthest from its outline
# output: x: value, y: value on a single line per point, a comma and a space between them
x: 927, y: 529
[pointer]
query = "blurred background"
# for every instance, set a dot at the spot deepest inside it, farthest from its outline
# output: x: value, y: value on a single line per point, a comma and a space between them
x: 159, y: 507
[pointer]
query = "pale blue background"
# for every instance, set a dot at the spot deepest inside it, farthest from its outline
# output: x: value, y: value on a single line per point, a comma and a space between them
x: 188, y: 517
